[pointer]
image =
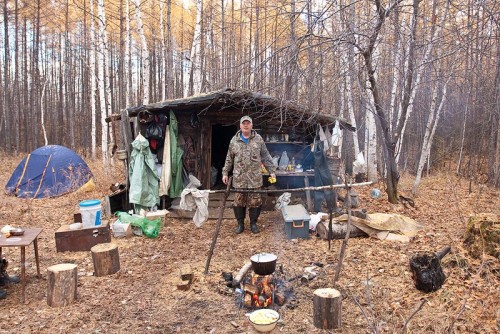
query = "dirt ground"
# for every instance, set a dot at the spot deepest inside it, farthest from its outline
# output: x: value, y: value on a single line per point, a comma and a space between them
x: 379, y: 295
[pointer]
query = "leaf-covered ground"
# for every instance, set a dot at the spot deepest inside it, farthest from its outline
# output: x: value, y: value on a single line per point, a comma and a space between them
x: 375, y: 281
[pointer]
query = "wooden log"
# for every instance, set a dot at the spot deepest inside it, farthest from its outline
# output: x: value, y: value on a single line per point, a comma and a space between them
x: 62, y: 283
x: 279, y: 298
x: 327, y: 304
x: 338, y: 231
x: 251, y: 289
x: 183, y: 285
x: 241, y: 273
x: 247, y: 300
x: 187, y: 273
x: 106, y: 259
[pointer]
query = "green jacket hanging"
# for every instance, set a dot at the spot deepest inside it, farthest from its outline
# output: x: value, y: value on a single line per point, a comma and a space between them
x: 176, y: 152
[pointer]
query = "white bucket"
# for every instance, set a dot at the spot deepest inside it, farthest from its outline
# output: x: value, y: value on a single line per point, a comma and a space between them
x: 91, y: 213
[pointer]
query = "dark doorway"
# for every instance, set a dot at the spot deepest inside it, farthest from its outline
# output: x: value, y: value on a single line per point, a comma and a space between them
x: 221, y: 136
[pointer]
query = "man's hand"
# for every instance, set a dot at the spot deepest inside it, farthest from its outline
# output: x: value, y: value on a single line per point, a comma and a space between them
x: 224, y: 179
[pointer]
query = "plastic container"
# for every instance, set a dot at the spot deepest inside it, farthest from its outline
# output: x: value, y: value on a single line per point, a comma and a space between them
x: 91, y: 213
x: 296, y: 221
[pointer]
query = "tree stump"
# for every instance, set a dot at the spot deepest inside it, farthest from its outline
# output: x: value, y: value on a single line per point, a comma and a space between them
x: 106, y: 259
x: 62, y: 283
x: 327, y: 304
x: 426, y: 270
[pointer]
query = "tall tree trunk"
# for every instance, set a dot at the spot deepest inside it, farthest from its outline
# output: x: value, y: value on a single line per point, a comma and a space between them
x: 5, y: 128
x: 93, y: 83
x: 104, y: 89
x: 144, y: 53
x: 195, y: 57
x: 392, y: 174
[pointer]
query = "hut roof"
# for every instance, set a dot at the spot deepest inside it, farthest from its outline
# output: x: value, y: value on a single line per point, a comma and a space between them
x: 257, y: 105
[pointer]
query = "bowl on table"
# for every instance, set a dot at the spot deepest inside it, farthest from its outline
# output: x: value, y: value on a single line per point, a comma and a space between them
x: 16, y: 231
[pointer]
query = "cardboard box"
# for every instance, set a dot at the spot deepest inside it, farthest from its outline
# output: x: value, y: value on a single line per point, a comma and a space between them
x: 68, y: 240
x: 296, y: 220
x: 121, y: 230
x: 153, y: 215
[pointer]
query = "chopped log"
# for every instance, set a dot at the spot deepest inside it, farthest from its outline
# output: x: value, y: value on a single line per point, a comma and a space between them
x: 187, y: 273
x: 268, y: 292
x: 241, y: 273
x: 279, y: 298
x: 247, y: 301
x: 106, y: 259
x: 338, y: 231
x: 327, y: 304
x: 251, y: 289
x: 426, y: 270
x: 183, y: 285
x: 62, y: 283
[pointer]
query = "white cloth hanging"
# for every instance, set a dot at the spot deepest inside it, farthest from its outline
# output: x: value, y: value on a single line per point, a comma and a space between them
x: 323, y: 138
x: 166, y: 166
x: 192, y: 198
x: 336, y: 135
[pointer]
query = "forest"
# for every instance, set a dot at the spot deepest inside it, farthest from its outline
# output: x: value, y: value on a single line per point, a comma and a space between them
x: 419, y: 79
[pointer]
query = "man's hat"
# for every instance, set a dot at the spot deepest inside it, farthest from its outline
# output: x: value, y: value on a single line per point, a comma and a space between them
x: 246, y: 118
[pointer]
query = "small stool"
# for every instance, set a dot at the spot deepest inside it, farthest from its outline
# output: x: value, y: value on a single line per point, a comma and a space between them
x: 62, y: 282
x: 106, y: 259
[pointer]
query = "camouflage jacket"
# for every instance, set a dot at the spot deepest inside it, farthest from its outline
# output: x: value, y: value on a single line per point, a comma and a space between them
x: 245, y: 161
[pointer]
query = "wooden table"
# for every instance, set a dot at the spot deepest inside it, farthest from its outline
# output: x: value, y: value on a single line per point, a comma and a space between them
x: 30, y: 236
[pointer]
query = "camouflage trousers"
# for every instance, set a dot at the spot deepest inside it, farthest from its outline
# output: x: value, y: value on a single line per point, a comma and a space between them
x: 249, y: 200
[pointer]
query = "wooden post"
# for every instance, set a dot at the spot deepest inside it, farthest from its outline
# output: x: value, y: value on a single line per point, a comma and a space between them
x: 106, y: 259
x: 217, y: 227
x: 62, y: 283
x: 327, y: 308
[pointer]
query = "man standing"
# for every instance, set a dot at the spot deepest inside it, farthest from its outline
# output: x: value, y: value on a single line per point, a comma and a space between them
x: 247, y: 150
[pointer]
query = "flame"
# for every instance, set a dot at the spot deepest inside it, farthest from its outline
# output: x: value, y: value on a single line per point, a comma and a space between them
x: 265, y: 287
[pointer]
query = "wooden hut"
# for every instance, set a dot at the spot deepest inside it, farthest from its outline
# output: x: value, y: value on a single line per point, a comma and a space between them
x: 207, y: 122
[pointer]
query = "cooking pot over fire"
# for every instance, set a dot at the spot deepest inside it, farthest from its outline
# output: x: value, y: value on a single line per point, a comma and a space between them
x: 264, y: 263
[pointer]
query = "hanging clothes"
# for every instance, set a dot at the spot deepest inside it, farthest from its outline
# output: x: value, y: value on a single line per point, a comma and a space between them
x: 176, y: 152
x: 323, y: 138
x: 166, y: 166
x: 336, y: 135
x: 143, y: 191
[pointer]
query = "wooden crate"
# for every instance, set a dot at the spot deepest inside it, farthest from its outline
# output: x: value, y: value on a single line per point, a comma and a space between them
x: 68, y: 240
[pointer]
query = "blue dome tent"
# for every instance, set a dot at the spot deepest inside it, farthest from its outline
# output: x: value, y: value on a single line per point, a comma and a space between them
x: 49, y: 171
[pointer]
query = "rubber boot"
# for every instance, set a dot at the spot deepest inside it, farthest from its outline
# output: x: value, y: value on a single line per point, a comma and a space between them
x: 4, y: 277
x: 239, y: 213
x: 254, y: 214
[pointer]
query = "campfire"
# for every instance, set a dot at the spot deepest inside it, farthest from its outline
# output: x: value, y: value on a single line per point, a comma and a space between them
x: 263, y: 291
x: 259, y: 291
x: 258, y: 284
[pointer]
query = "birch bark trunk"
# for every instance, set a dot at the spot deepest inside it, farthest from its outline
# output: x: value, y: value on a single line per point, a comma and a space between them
x: 104, y: 89
x: 144, y: 53
x: 93, y: 83
x: 195, y: 56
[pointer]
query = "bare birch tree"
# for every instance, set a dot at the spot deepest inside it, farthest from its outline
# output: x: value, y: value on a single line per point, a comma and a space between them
x: 103, y: 80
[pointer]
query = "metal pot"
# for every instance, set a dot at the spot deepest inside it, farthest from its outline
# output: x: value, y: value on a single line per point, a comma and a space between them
x: 264, y: 263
